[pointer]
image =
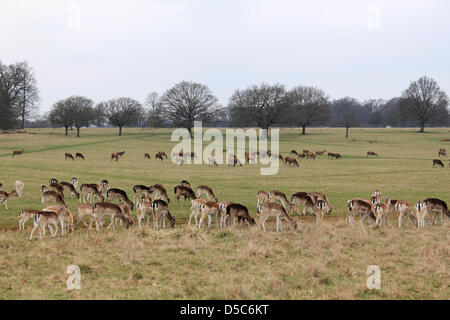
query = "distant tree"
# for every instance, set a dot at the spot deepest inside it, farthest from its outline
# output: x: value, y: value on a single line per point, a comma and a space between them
x: 310, y: 105
x: 28, y: 94
x: 261, y: 105
x: 74, y: 111
x: 374, y: 109
x: 346, y: 112
x: 121, y: 112
x: 154, y: 110
x: 10, y: 87
x: 424, y: 101
x: 187, y: 102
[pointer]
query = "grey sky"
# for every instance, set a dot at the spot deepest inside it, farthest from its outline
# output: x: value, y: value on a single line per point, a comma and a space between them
x: 363, y: 49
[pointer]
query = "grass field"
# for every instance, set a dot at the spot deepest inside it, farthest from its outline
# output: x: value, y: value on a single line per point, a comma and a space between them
x: 327, y: 261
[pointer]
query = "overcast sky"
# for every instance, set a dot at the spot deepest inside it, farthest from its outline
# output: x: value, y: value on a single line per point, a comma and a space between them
x: 106, y: 49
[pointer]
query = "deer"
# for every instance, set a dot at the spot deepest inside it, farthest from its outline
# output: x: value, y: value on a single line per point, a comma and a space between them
x: 147, y: 156
x: 114, y: 157
x: 223, y: 213
x: 404, y: 209
x: 185, y: 183
x: 5, y: 196
x: 159, y: 192
x: 442, y: 152
x: 17, y: 152
x: 24, y: 216
x: 212, y: 162
x: 143, y: 209
x: 161, y: 211
x: 294, y: 152
x: 70, y: 188
x: 139, y: 190
x: 126, y: 212
x: 195, y: 209
x: 161, y: 155
x: 68, y: 156
x: 262, y: 196
x: 19, y: 187
x: 119, y: 194
x: 371, y: 153
x: 320, y: 153
x: 362, y: 207
x: 85, y: 210
x: 320, y: 208
x: 235, y: 210
x: 57, y: 188
x: 421, y: 210
x: 381, y: 211
x: 79, y: 155
x: 91, y: 190
x: 279, y: 196
x: 1, y: 186
x: 310, y: 155
x: 121, y: 153
x: 207, y: 191
x: 320, y: 196
x: 102, y: 209
x: 291, y: 162
x: 186, y: 192
x: 438, y: 163
x: 376, y: 197
x: 75, y: 182
x: 270, y: 209
x: 209, y: 208
x: 302, y: 198
x: 41, y: 220
x: 64, y: 216
x: 48, y: 196
x: 438, y: 206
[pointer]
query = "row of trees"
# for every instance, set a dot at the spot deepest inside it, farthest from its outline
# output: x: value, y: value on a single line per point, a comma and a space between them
x: 19, y: 94
x: 422, y: 103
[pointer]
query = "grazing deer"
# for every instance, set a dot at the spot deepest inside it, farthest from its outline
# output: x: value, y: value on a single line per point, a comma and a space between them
x: 143, y: 209
x: 70, y: 188
x: 160, y: 212
x: 262, y: 197
x: 114, y: 157
x: 68, y: 156
x: 19, y: 187
x: 442, y: 152
x: 209, y: 208
x: 320, y: 153
x: 102, y: 209
x: 291, y: 161
x: 223, y: 213
x: 158, y: 156
x: 140, y: 190
x: 195, y: 209
x: 310, y: 155
x: 302, y: 198
x: 57, y: 188
x: 279, y: 196
x: 119, y: 194
x: 17, y: 152
x: 185, y: 183
x: 161, y: 155
x: 121, y: 153
x: 90, y: 190
x: 5, y: 196
x: 64, y: 217
x: 371, y: 153
x: 437, y: 162
x: 234, y: 161
x: 404, y: 209
x: 186, y: 192
x: 85, y: 210
x: 126, y: 212
x: 438, y: 206
x: 320, y: 196
x: 48, y: 196
x: 43, y: 219
x: 79, y: 155
x: 159, y: 193
x: 270, y: 209
x: 362, y: 207
x: 207, y: 191
x: 332, y: 155
x: 24, y: 216
x: 147, y: 156
x: 235, y: 210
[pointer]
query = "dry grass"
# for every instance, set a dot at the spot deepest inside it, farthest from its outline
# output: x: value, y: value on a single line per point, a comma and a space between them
x: 328, y: 261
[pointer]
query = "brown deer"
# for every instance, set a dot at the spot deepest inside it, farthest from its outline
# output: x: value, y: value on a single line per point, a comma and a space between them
x: 310, y: 155
x: 269, y: 209
x: 302, y: 198
x: 262, y: 196
x: 320, y: 153
x: 223, y: 213
x: 64, y: 217
x: 24, y: 216
x: 291, y: 161
x: 143, y: 209
x: 5, y: 196
x: 437, y: 162
x: 161, y: 155
x: 114, y: 157
x: 159, y: 192
x: 68, y: 156
x: 115, y: 193
x: 195, y: 210
x: 90, y: 190
x: 442, y: 152
x: 207, y: 191
x: 209, y: 208
x: 362, y: 207
x: 56, y: 197
x: 140, y: 190
x: 371, y: 153
x: 279, y: 196
x: 85, y: 210
x: 102, y: 209
x: 240, y: 212
x: 70, y: 188
x: 320, y: 196
x: 160, y: 213
x: 17, y: 152
x: 186, y: 192
x: 185, y: 183
x: 294, y: 152
x: 438, y: 206
x: 79, y: 155
x: 43, y: 219
x: 121, y: 153
x: 147, y: 155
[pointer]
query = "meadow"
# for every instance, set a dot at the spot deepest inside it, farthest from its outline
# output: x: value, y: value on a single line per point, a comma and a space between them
x: 326, y: 261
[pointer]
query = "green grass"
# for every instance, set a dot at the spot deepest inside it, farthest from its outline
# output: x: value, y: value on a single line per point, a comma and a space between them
x: 327, y: 261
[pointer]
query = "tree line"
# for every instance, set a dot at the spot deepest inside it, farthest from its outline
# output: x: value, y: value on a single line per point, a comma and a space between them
x: 421, y: 104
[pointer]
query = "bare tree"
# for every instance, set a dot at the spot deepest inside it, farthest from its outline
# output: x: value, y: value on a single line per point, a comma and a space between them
x: 258, y: 105
x: 74, y: 111
x: 121, y: 112
x: 60, y: 115
x: 10, y: 86
x: 154, y: 109
x: 424, y: 101
x: 346, y: 112
x: 310, y: 105
x: 29, y: 93
x: 187, y: 102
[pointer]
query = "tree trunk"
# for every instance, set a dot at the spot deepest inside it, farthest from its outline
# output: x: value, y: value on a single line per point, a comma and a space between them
x: 422, y: 127
x: 303, y: 130
x: 78, y: 131
x: 67, y: 131
x: 120, y: 131
x: 346, y: 132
